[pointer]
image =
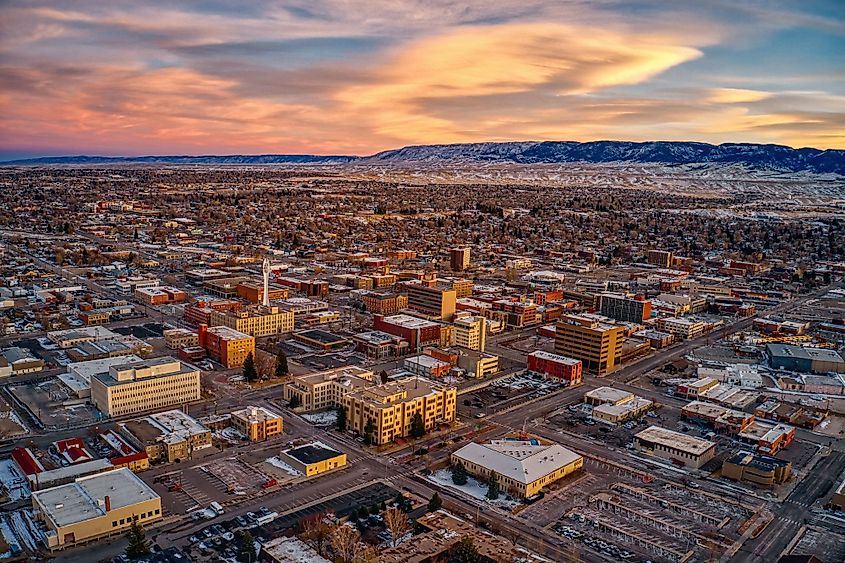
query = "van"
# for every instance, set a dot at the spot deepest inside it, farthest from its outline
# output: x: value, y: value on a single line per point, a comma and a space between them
x: 216, y: 507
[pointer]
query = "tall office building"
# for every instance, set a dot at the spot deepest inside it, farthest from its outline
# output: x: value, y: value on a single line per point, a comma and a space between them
x: 623, y: 308
x: 459, y: 259
x: 433, y: 301
x: 598, y: 345
x: 144, y: 385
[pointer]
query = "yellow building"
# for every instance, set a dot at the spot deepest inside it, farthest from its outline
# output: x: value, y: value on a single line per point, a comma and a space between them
x: 145, y: 385
x: 326, y: 389
x: 256, y: 321
x: 522, y: 467
x: 178, y: 338
x: 313, y: 459
x: 471, y: 333
x: 390, y: 407
x: 760, y: 470
x: 258, y: 423
x: 94, y: 507
x: 838, y: 498
x: 462, y: 287
x: 597, y: 344
x: 435, y: 302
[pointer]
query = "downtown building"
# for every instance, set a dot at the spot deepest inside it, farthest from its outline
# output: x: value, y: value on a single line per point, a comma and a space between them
x: 596, y: 343
x: 256, y: 321
x: 623, y: 308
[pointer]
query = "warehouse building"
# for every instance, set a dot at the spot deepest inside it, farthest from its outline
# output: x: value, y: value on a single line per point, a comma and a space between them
x: 676, y: 447
x: 804, y: 359
x: 94, y: 507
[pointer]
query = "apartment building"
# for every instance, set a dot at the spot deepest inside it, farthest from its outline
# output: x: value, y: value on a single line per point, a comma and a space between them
x: 459, y: 259
x: 391, y: 407
x: 433, y: 301
x: 226, y: 345
x: 326, y: 389
x: 256, y: 321
x: 385, y: 303
x: 257, y: 423
x: 623, y: 308
x: 597, y: 344
x: 144, y: 385
x: 471, y: 333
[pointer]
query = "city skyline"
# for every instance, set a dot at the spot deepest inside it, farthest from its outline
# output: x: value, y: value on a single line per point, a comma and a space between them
x: 327, y: 77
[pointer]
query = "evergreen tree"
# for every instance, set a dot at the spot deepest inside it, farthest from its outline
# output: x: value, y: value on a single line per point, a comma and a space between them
x: 138, y: 545
x: 384, y: 377
x: 341, y: 419
x: 434, y: 503
x: 493, y: 487
x: 246, y: 547
x: 417, y: 426
x: 250, y: 373
x: 281, y: 364
x: 459, y: 474
x: 369, y: 428
x: 465, y: 552
x: 363, y: 513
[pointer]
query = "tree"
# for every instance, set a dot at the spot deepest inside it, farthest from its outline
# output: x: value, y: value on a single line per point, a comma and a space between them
x: 363, y: 513
x: 384, y: 377
x: 465, y: 552
x: 493, y: 487
x: 434, y: 503
x: 459, y: 474
x: 341, y: 418
x: 246, y: 546
x: 294, y: 402
x: 281, y: 364
x: 344, y: 542
x: 417, y: 426
x: 369, y: 428
x: 397, y: 522
x: 138, y: 544
x: 316, y: 530
x: 250, y: 373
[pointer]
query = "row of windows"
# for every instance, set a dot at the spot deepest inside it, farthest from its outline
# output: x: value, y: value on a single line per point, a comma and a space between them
x: 135, y: 518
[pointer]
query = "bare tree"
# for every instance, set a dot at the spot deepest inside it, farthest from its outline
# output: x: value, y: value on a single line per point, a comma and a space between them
x: 344, y: 541
x: 397, y: 522
x: 317, y: 531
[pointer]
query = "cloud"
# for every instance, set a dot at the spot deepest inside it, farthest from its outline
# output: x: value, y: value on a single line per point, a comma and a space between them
x: 736, y: 95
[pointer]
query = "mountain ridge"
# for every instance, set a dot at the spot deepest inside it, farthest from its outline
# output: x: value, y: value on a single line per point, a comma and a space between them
x: 753, y: 155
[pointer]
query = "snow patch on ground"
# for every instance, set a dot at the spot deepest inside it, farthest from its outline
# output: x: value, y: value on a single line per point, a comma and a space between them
x: 276, y: 462
x: 473, y: 488
x: 13, y: 481
x: 326, y: 418
x: 13, y: 416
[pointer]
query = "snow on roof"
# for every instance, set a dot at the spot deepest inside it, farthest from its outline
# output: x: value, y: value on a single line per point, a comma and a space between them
x: 520, y: 460
x: 292, y: 550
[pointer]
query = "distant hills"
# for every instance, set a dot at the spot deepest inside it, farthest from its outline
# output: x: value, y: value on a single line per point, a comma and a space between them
x: 752, y: 156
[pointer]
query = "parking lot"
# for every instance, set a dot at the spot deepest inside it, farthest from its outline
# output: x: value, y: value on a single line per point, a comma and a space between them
x: 51, y: 402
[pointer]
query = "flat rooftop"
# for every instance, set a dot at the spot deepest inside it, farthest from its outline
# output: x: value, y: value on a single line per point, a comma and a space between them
x: 314, y: 452
x: 524, y: 461
x: 321, y: 336
x: 407, y: 321
x: 84, y: 498
x: 377, y: 337
x: 256, y: 414
x: 677, y: 440
x: 803, y: 353
x: 609, y: 395
x: 227, y: 333
x: 542, y: 354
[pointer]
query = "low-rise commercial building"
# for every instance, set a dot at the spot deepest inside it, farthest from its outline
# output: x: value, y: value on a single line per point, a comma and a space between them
x: 377, y: 345
x: 94, y: 507
x: 759, y: 470
x: 679, y: 448
x: 254, y: 291
x: 320, y: 339
x: 313, y: 459
x: 426, y: 366
x: 522, y: 467
x: 419, y: 333
x: 257, y: 423
x: 178, y: 338
x: 681, y: 328
x: 385, y: 303
x: 555, y: 366
x: 804, y: 359
x: 18, y: 361
x: 161, y: 295
x: 170, y: 436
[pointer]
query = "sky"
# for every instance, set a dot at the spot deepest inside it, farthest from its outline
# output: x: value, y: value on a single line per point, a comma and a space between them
x: 357, y: 77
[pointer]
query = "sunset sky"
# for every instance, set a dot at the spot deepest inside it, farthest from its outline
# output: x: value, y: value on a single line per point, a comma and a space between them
x: 356, y: 77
